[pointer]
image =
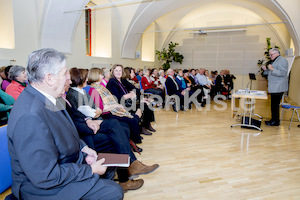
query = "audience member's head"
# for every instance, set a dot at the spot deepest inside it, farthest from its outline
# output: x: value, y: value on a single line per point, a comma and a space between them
x: 185, y: 73
x: 170, y: 72
x: 47, y: 70
x: 6, y: 70
x: 95, y: 75
x: 17, y: 73
x: 193, y: 72
x: 147, y: 73
x: 106, y: 73
x: 180, y: 73
x: 201, y: 71
x: 127, y: 71
x: 2, y: 74
x: 78, y: 77
x: 206, y: 73
x: 161, y: 72
x: 44, y: 61
x: 117, y: 71
x: 141, y: 72
x: 154, y: 72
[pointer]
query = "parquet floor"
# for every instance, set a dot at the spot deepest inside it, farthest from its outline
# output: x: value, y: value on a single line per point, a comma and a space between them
x: 202, y: 157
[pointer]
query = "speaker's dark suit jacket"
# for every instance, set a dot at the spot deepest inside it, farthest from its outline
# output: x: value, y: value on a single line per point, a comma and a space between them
x: 45, y: 149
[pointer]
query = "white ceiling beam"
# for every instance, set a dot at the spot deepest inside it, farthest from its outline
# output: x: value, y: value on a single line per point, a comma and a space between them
x: 214, y: 27
x: 119, y: 3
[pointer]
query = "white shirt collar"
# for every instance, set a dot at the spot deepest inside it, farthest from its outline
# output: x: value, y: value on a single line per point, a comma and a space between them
x: 48, y: 96
x: 78, y: 90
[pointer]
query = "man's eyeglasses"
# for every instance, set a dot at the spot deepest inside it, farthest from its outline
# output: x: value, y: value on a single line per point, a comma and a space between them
x: 272, y: 54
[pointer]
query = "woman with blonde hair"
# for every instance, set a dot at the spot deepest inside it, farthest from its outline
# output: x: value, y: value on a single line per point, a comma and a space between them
x: 111, y: 108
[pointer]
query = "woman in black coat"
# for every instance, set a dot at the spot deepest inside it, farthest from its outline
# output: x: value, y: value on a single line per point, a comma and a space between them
x: 129, y: 95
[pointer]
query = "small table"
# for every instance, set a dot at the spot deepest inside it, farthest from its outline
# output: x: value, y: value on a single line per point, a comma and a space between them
x: 243, y: 95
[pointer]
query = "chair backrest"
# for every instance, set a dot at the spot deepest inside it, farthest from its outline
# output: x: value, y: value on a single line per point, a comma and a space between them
x: 87, y: 88
x: 141, y: 86
x: 5, y: 167
x: 166, y: 89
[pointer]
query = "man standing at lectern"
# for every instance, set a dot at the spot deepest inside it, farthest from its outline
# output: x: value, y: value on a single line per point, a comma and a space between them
x: 277, y: 73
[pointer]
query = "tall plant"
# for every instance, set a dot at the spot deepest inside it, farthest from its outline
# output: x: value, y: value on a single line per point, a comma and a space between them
x: 267, y: 59
x: 169, y: 55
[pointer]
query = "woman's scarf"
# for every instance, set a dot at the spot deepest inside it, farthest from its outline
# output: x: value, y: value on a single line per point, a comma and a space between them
x: 108, y: 99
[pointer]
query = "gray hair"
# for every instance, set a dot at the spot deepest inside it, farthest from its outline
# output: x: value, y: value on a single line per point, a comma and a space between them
x: 106, y: 71
x: 44, y: 61
x: 170, y: 69
x: 15, y: 71
x: 275, y: 49
x: 161, y: 71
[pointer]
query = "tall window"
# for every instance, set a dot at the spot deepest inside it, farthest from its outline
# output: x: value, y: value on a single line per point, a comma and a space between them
x: 88, y: 32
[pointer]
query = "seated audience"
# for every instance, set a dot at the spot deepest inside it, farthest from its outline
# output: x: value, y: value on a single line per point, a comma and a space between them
x: 130, y: 77
x: 106, y: 77
x: 48, y: 159
x: 18, y: 76
x: 140, y: 75
x: 228, y: 79
x: 121, y: 88
x: 6, y: 104
x: 148, y: 85
x: 173, y: 88
x: 111, y: 108
x: 221, y: 86
x: 195, y: 86
x: 162, y: 77
x: 6, y: 81
x: 155, y: 79
x: 109, y: 135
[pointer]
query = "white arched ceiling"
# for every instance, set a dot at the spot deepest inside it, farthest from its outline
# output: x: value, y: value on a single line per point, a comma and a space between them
x: 224, y: 14
x: 58, y: 26
x: 151, y: 12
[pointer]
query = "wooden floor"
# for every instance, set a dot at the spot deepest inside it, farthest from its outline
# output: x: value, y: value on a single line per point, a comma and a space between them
x: 202, y: 157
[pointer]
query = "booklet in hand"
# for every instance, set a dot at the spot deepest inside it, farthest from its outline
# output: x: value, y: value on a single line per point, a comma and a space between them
x: 114, y: 160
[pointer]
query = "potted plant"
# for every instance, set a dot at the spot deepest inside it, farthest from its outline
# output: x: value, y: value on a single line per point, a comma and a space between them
x: 267, y: 60
x: 169, y: 55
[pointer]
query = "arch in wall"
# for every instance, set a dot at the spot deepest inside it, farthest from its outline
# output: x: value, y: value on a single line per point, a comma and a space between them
x: 58, y: 27
x: 154, y: 10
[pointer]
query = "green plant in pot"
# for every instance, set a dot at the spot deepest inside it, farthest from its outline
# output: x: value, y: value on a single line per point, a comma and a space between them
x: 267, y: 60
x: 169, y: 55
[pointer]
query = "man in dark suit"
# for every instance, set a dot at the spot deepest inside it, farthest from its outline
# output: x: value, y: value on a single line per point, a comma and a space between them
x: 277, y: 83
x: 47, y: 155
x: 173, y: 88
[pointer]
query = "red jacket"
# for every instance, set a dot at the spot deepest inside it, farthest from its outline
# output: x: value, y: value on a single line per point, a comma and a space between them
x: 146, y: 84
x: 14, y: 89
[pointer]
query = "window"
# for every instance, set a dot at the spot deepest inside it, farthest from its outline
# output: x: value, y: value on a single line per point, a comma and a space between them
x: 88, y: 32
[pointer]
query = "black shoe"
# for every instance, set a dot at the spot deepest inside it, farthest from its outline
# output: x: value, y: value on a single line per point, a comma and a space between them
x: 145, y: 131
x: 138, y: 149
x: 174, y: 107
x: 272, y: 123
x: 150, y: 128
x: 299, y: 126
x: 182, y: 108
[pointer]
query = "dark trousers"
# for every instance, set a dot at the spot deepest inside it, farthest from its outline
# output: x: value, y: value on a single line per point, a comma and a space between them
x: 147, y: 117
x: 133, y: 123
x: 112, y: 137
x: 275, y: 101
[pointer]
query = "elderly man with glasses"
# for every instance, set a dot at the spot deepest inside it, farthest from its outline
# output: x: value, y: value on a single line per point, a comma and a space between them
x: 277, y: 73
